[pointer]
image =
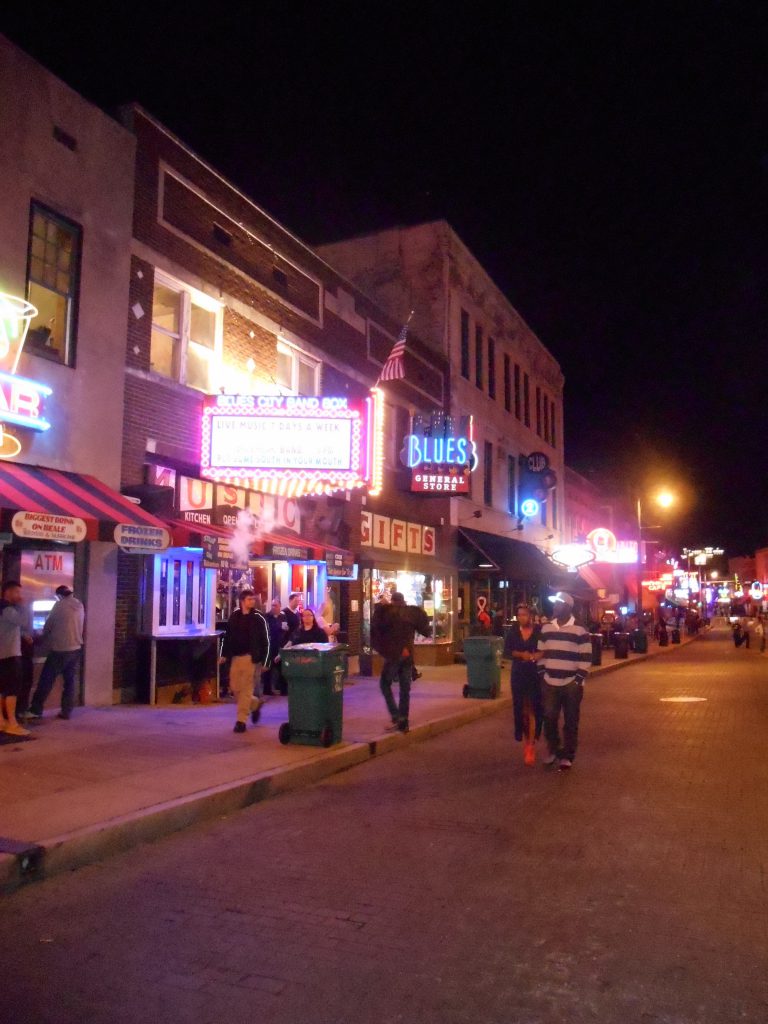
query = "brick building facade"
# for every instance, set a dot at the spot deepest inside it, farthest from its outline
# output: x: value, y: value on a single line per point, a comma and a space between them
x: 225, y: 300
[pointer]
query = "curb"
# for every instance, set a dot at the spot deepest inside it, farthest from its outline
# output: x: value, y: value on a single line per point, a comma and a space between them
x: 75, y: 849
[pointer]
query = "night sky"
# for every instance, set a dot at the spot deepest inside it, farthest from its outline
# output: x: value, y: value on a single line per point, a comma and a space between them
x: 606, y: 163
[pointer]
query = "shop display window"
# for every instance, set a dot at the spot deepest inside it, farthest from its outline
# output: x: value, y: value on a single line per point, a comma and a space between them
x: 432, y: 593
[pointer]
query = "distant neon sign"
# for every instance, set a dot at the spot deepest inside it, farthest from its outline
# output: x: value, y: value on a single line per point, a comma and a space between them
x: 572, y: 556
x: 290, y: 445
x: 608, y: 549
x: 530, y: 508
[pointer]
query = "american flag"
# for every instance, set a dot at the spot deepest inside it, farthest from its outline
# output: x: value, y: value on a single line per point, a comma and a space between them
x: 394, y: 368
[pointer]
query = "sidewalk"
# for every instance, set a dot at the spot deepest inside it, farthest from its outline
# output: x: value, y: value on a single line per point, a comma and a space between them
x: 113, y: 777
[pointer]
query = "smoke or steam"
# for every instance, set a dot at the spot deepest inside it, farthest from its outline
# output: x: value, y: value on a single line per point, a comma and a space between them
x: 243, y: 536
x: 247, y: 530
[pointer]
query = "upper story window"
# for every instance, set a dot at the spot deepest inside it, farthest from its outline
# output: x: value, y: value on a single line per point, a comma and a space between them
x: 488, y: 473
x: 186, y: 334
x: 538, y: 411
x: 507, y: 384
x: 491, y: 368
x: 526, y: 400
x: 479, y: 356
x: 547, y: 438
x: 465, y: 344
x: 552, y: 430
x: 297, y: 372
x: 517, y: 392
x: 53, y: 271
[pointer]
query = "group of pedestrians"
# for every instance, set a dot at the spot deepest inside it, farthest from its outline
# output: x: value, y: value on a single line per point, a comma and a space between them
x: 62, y: 639
x: 550, y: 661
x: 252, y: 645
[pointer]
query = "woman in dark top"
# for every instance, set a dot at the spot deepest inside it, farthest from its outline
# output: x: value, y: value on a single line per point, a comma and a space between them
x: 309, y: 632
x: 522, y: 645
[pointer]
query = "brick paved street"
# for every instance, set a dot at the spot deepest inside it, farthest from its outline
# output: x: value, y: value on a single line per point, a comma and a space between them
x: 447, y: 883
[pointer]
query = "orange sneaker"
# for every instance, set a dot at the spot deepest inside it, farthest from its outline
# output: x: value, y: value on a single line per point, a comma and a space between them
x: 530, y: 754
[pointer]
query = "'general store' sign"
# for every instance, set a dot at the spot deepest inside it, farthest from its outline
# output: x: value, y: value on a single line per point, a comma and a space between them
x: 396, y: 535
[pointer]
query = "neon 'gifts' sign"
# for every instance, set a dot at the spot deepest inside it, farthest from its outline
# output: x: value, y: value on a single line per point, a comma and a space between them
x: 290, y: 445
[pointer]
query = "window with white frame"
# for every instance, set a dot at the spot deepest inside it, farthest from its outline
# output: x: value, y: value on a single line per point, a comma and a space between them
x: 186, y: 334
x: 297, y: 372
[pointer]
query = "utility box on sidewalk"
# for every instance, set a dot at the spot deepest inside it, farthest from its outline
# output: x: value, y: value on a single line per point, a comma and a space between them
x: 483, y: 654
x: 315, y: 674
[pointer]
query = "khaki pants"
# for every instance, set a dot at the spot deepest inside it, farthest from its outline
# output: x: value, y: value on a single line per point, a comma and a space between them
x: 243, y: 675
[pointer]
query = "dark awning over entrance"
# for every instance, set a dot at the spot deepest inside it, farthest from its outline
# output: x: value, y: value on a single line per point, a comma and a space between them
x: 514, y: 560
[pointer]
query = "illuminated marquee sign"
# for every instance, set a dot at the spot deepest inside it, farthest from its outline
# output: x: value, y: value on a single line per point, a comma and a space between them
x: 608, y: 549
x: 22, y: 401
x: 290, y: 445
x: 441, y: 453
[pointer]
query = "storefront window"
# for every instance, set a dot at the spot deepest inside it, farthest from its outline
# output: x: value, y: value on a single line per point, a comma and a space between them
x: 432, y: 593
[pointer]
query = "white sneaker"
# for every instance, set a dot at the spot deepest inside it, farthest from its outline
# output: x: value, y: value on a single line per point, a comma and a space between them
x: 550, y: 759
x: 565, y: 764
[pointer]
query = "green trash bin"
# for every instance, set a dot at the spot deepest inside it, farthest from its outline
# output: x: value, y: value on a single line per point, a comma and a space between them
x: 639, y: 641
x: 483, y: 654
x: 315, y: 674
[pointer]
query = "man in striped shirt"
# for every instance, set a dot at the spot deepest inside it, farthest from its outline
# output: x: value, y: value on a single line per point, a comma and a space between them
x: 565, y: 654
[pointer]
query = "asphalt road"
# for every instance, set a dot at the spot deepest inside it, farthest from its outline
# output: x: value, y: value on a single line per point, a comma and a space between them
x: 448, y: 883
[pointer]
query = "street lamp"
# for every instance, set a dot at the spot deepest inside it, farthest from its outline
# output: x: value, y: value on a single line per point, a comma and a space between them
x: 664, y: 499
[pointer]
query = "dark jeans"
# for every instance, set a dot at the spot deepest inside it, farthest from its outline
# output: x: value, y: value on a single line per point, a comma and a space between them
x: 568, y: 698
x: 400, y: 669
x: 58, y: 663
x: 27, y: 678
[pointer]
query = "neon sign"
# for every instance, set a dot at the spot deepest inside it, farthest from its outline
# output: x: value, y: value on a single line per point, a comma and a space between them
x: 291, y: 445
x: 441, y: 453
x: 22, y: 401
x: 608, y: 549
x: 530, y: 508
x: 572, y: 556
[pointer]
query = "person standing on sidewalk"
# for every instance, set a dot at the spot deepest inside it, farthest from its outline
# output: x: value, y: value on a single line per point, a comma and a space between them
x: 393, y: 627
x: 292, y: 612
x: 246, y: 647
x: 63, y: 637
x: 12, y: 622
x: 521, y: 646
x: 565, y: 650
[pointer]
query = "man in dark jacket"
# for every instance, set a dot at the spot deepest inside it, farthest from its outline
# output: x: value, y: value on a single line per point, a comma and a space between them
x: 392, y: 631
x: 246, y: 647
x: 272, y: 679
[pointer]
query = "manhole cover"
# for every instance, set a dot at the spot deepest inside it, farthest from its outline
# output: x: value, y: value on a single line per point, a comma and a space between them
x: 681, y: 700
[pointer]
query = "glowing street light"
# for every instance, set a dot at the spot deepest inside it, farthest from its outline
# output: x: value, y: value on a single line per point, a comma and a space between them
x: 664, y: 499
